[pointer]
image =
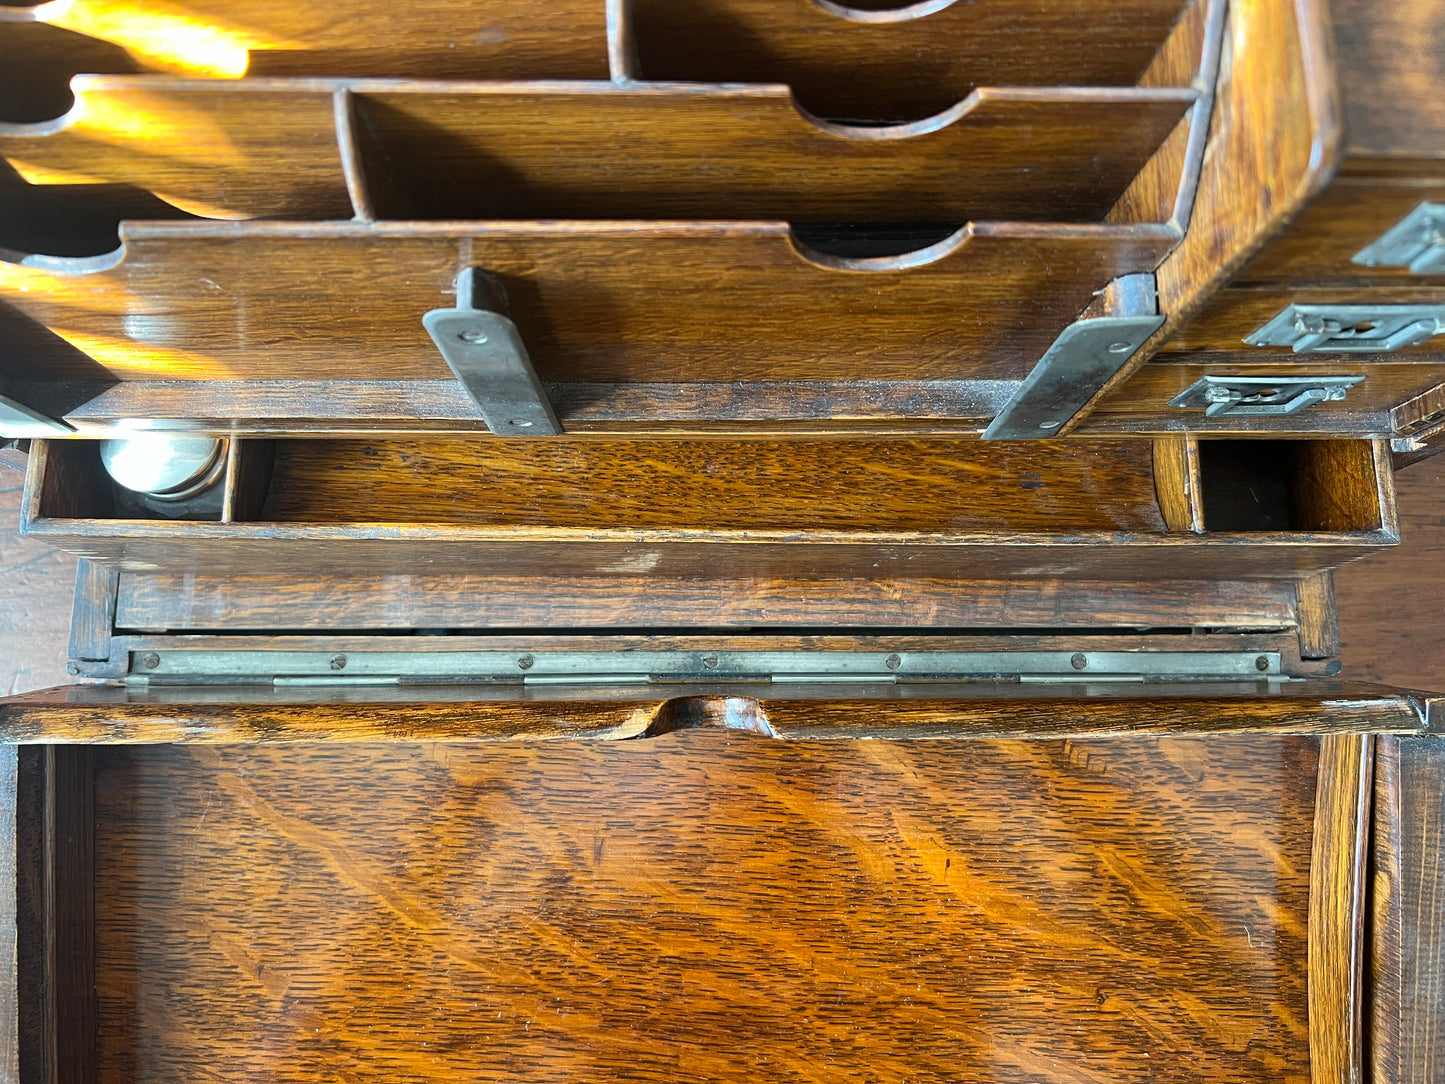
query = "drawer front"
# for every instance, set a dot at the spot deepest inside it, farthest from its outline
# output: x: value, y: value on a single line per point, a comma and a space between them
x: 700, y: 906
x: 855, y: 510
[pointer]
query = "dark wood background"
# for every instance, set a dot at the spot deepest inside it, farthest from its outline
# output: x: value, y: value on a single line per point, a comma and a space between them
x: 1390, y: 604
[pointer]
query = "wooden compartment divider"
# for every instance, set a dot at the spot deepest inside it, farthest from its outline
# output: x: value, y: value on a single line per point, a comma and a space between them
x: 269, y: 149
x: 436, y: 39
x: 899, y: 62
x: 611, y: 303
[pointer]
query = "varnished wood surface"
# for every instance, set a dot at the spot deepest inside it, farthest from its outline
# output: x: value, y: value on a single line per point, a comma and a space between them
x: 380, y: 407
x: 672, y: 302
x: 54, y: 893
x: 237, y: 714
x: 687, y: 553
x: 268, y: 149
x: 1318, y: 248
x: 1189, y: 57
x: 1177, y: 483
x: 1407, y: 950
x: 1338, y: 908
x: 1235, y: 313
x: 1389, y: 609
x: 35, y: 584
x: 704, y: 908
x: 1142, y: 405
x: 220, y: 150
x: 848, y: 546
x: 1392, y: 65
x: 886, y: 64
x: 224, y: 39
x: 1342, y: 485
x: 513, y: 153
x: 37, y: 62
x: 276, y: 600
x: 9, y: 917
x: 1276, y: 130
x: 93, y: 613
x: 791, y: 485
x: 1318, y: 616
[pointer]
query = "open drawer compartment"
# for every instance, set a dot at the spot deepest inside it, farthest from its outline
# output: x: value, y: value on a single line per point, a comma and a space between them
x: 406, y: 908
x: 853, y: 509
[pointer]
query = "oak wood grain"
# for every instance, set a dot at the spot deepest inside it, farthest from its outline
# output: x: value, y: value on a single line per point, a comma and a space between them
x: 1338, y: 908
x: 231, y: 714
x: 93, y: 612
x: 1319, y: 625
x: 849, y: 546
x: 55, y: 901
x: 1388, y: 609
x: 1234, y: 314
x: 593, y: 301
x: 379, y: 407
x: 212, y: 148
x: 1165, y: 188
x: 512, y: 152
x: 749, y: 485
x: 543, y: 914
x: 903, y: 64
x: 1318, y: 247
x: 1342, y: 485
x: 417, y: 599
x: 9, y: 916
x: 35, y: 583
x: 223, y: 39
x: 1391, y: 70
x: 1407, y: 950
x: 269, y: 149
x: 1142, y: 405
x: 1177, y: 483
x: 1274, y: 143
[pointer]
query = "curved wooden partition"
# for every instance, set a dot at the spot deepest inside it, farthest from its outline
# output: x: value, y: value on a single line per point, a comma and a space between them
x: 273, y: 149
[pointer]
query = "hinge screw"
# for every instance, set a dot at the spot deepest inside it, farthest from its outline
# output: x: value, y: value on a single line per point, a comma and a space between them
x: 150, y: 660
x: 338, y: 662
x: 1120, y: 348
x: 478, y: 337
x: 1079, y: 660
x: 709, y: 661
x: 525, y: 662
x: 1262, y: 663
x: 893, y: 662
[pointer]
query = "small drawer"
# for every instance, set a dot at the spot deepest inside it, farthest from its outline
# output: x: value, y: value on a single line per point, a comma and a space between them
x: 855, y: 509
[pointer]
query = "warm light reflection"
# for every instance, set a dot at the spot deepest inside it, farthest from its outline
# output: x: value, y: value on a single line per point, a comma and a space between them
x: 163, y: 36
x: 132, y: 360
x: 45, y: 173
x: 157, y: 131
x: 51, y: 297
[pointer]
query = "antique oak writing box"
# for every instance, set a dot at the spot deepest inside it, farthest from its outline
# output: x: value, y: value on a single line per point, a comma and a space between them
x: 745, y: 539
